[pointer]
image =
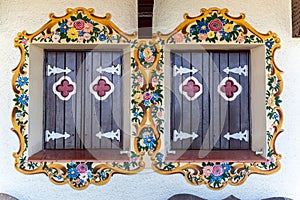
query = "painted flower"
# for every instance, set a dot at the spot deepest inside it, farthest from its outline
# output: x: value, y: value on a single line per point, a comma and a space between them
x: 140, y: 80
x: 103, y: 175
x: 64, y: 27
x: 147, y: 53
x: 88, y: 27
x: 23, y: 99
x: 202, y: 36
x: 22, y: 81
x: 147, y: 102
x: 193, y: 30
x: 216, y: 178
x: 73, y: 173
x: 138, y: 97
x: 269, y: 161
x: 159, y: 114
x: 24, y: 41
x: 219, y: 35
x: 78, y: 181
x: 226, y: 167
x: 87, y: 36
x: 70, y: 23
x: 149, y: 141
x: 55, y: 38
x: 271, y: 101
x: 80, y: 39
x: 225, y: 35
x: 141, y: 55
x: 136, y: 114
x: 275, y: 116
x: 102, y: 37
x: 228, y: 28
x: 211, y: 34
x: 81, y: 33
x: 215, y: 25
x: 240, y: 39
x: 85, y: 176
x: 79, y: 24
x: 217, y: 170
x: 274, y: 83
x: 160, y: 157
x: 269, y: 43
x: 150, y: 59
x: 202, y: 27
x: 154, y: 97
x: 154, y: 80
x: 82, y: 168
x: 147, y: 95
x: 72, y: 33
x: 207, y: 170
x: 141, y: 143
x: 178, y: 37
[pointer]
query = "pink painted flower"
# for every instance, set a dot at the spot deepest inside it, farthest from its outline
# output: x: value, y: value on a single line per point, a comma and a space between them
x: 146, y: 134
x: 159, y: 114
x: 219, y: 35
x: 215, y: 25
x: 55, y: 38
x: 88, y: 27
x: 217, y: 170
x: 274, y: 82
x: 87, y: 36
x: 207, y: 170
x: 77, y: 181
x: 269, y: 161
x: 202, y: 36
x: 82, y: 168
x: 240, y: 39
x: 178, y: 37
x: 80, y: 39
x: 150, y: 59
x: 70, y: 23
x: 24, y: 41
x: 79, y: 24
x: 140, y: 80
x: 147, y: 96
x: 154, y: 80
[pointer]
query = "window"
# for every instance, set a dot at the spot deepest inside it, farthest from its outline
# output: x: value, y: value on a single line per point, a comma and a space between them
x: 83, y: 103
x: 296, y: 18
x: 213, y: 103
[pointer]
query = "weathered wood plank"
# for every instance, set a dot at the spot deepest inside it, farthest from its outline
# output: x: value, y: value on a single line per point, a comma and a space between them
x: 88, y: 101
x: 69, y: 105
x: 49, y: 100
x: 206, y: 101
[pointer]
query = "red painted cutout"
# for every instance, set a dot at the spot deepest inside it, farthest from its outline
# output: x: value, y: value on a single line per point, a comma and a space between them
x: 191, y: 88
x: 65, y: 88
x: 229, y: 88
x: 101, y: 87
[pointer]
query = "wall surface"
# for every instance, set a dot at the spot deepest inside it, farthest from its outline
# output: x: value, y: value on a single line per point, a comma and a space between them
x: 17, y: 15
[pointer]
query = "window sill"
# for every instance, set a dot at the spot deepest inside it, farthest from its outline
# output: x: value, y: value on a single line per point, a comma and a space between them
x: 215, y: 156
x: 108, y: 155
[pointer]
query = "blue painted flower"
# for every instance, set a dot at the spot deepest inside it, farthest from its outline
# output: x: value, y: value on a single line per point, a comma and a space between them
x: 141, y: 55
x: 73, y: 173
x: 102, y: 37
x: 136, y: 114
x: 18, y: 114
x: 202, y: 27
x: 147, y: 102
x: 226, y: 167
x: 89, y: 174
x: 275, y: 116
x: 159, y: 157
x: 193, y: 30
x: 269, y: 43
x: 22, y: 80
x: 103, y: 175
x: 64, y: 27
x: 23, y: 99
x: 225, y: 35
x: 80, y: 33
x: 216, y: 179
x: 154, y: 96
x: 149, y: 141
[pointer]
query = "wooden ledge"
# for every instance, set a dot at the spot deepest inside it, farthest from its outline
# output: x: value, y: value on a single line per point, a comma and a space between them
x: 215, y: 156
x: 103, y: 155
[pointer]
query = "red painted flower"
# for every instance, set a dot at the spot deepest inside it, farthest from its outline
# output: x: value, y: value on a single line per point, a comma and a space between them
x: 229, y: 88
x: 102, y: 87
x: 79, y: 24
x: 82, y: 168
x: 215, y: 25
x: 147, y: 95
x: 191, y: 88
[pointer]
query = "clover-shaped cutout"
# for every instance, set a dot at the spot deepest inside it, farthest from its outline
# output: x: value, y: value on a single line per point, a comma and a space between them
x: 101, y: 87
x: 64, y: 88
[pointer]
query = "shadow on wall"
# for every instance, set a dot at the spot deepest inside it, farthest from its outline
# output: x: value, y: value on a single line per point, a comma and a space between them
x: 231, y: 197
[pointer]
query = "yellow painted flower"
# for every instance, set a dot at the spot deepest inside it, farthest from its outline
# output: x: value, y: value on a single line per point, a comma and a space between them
x: 211, y: 34
x: 72, y: 33
x: 138, y: 97
x: 228, y: 28
x: 271, y: 101
x: 147, y: 52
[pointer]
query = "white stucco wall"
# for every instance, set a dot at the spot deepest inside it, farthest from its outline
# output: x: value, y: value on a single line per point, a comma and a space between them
x: 17, y: 15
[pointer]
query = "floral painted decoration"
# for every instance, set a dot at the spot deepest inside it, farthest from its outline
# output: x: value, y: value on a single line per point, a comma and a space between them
x: 147, y: 55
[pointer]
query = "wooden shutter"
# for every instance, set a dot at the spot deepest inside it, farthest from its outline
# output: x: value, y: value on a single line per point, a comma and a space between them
x: 82, y: 116
x: 210, y: 116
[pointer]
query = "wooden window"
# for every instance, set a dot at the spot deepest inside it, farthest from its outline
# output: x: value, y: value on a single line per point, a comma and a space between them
x: 210, y: 116
x: 74, y: 122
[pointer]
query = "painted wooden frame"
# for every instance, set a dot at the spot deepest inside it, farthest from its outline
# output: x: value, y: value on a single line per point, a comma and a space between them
x: 147, y: 108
